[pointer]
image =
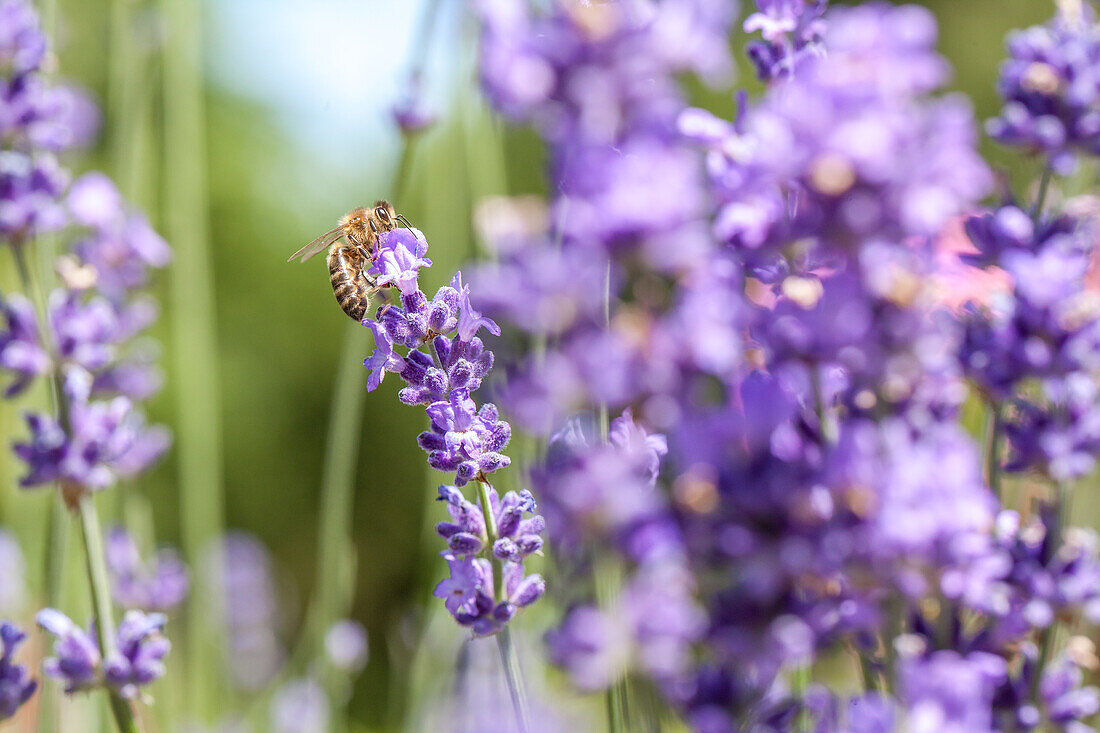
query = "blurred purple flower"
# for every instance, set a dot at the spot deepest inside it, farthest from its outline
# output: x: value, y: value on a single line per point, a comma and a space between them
x: 77, y: 659
x: 16, y: 686
x: 22, y: 43
x: 1049, y: 88
x: 107, y: 439
x: 300, y: 706
x: 792, y: 31
x: 158, y: 585
x: 949, y: 691
x: 241, y: 567
x: 411, y: 113
x: 141, y: 651
x: 137, y: 662
x: 94, y: 201
x: 29, y: 191
x: 21, y: 350
x: 13, y: 581
x: 347, y: 646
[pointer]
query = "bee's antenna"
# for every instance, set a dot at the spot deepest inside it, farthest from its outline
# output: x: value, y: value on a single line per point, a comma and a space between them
x: 404, y: 221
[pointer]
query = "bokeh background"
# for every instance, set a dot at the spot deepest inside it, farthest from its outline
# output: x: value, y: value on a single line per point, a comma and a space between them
x: 289, y: 128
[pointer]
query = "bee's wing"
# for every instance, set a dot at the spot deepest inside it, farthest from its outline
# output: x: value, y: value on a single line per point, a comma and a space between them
x: 317, y: 245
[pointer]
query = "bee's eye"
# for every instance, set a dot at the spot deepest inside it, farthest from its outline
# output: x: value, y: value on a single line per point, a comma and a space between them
x: 381, y: 213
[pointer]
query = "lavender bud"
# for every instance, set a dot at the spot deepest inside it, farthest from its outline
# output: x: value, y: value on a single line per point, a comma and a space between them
x: 460, y: 374
x: 465, y: 472
x: 464, y: 543
x: 505, y: 549
x: 489, y: 462
x: 498, y: 437
x: 435, y: 382
x: 529, y: 590
x: 412, y: 395
x: 437, y: 316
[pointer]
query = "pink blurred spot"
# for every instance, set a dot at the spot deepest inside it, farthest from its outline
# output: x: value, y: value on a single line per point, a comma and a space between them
x: 955, y: 283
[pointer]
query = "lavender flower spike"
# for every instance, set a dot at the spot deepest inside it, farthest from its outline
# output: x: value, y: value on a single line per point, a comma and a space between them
x: 464, y: 439
x: 16, y: 687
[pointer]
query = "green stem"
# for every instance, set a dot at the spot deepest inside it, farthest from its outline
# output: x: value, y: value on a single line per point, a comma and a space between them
x: 483, y: 488
x: 825, y: 417
x: 514, y: 676
x: 1053, y: 544
x: 993, y: 450
x: 618, y: 695
x: 193, y: 318
x: 867, y: 671
x: 57, y: 521
x: 801, y: 678
x: 1041, y: 198
x: 512, y: 673
x: 604, y: 417
x: 101, y: 601
x: 335, y: 586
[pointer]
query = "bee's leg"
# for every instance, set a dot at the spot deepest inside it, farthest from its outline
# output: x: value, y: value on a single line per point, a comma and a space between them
x: 383, y: 297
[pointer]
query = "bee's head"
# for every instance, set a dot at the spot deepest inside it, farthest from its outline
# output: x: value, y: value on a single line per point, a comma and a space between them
x: 384, y: 215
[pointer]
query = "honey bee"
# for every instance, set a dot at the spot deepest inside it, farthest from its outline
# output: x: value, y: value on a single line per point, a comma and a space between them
x: 348, y: 263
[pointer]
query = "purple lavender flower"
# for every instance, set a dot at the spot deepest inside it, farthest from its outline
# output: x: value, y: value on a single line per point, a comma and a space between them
x: 470, y: 321
x: 384, y: 359
x: 948, y: 690
x: 106, y: 439
x: 158, y: 585
x: 465, y: 439
x: 1067, y: 702
x: 300, y: 706
x: 400, y: 259
x: 1045, y: 329
x: 1049, y: 88
x: 29, y: 191
x: 1039, y: 582
x: 122, y: 254
x: 469, y: 593
x: 21, y: 350
x: 22, y: 43
x: 16, y: 686
x: 137, y: 662
x: 94, y: 201
x: 518, y: 536
x: 84, y: 332
x: 792, y: 31
x: 141, y: 650
x: 605, y: 489
x: 411, y: 113
x: 77, y: 660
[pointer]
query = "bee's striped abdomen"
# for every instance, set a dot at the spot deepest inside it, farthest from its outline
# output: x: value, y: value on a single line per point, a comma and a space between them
x: 345, y: 269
